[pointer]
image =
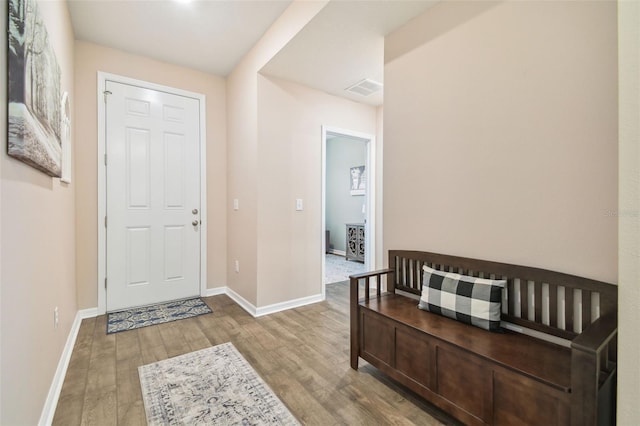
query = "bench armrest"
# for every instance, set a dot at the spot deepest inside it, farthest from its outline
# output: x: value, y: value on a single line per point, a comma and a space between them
x: 593, y: 370
x: 379, y: 272
x: 366, y: 276
x: 354, y: 299
x: 597, y: 335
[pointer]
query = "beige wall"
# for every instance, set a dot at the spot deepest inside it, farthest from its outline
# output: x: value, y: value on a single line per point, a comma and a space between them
x: 629, y: 230
x: 91, y: 58
x: 38, y: 254
x: 290, y: 119
x: 242, y: 142
x: 241, y: 163
x: 501, y: 134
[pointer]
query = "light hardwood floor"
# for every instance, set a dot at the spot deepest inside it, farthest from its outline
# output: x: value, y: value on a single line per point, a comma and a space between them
x: 303, y: 354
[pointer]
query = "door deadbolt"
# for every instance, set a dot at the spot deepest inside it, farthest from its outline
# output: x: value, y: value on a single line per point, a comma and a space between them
x: 194, y: 211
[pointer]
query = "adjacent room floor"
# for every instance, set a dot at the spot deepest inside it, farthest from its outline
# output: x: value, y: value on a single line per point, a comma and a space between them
x: 302, y: 354
x: 338, y: 269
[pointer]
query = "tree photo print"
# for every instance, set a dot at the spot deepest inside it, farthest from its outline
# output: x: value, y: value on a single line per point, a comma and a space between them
x: 34, y: 110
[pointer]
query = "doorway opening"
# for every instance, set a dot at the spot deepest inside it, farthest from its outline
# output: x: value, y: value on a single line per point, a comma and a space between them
x: 348, y: 204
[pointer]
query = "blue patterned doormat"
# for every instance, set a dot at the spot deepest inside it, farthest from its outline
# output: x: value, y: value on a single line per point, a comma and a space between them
x: 157, y: 314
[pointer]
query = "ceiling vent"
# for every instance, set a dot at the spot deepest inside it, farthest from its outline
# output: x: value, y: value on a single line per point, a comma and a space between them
x: 365, y: 87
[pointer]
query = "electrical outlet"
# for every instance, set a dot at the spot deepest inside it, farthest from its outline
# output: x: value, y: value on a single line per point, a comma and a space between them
x: 56, y: 317
x: 237, y: 266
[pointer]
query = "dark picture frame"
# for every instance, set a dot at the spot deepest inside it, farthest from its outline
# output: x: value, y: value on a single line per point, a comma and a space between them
x: 34, y: 111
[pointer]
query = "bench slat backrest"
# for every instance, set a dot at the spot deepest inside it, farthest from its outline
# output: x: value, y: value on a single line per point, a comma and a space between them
x: 554, y: 303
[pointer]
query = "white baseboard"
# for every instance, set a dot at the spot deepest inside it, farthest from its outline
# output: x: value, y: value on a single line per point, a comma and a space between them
x: 244, y: 303
x: 289, y: 304
x: 88, y: 313
x: 337, y: 252
x: 49, y: 409
x: 272, y: 309
x: 214, y: 291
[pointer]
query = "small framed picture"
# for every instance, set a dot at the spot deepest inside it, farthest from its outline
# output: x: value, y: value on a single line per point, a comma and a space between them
x: 358, y: 182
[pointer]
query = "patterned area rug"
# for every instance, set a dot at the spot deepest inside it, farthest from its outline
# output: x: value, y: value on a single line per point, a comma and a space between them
x: 156, y: 314
x: 213, y: 386
x: 338, y: 269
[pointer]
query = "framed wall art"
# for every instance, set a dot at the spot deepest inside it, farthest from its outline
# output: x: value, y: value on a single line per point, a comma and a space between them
x: 358, y: 181
x: 34, y: 110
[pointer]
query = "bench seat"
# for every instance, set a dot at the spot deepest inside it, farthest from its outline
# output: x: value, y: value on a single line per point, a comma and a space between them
x: 546, y: 362
x: 493, y: 378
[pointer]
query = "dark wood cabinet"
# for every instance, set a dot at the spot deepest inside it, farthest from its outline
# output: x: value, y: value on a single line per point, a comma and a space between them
x: 327, y: 241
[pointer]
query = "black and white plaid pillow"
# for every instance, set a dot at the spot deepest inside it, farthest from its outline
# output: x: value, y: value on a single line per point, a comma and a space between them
x: 475, y: 301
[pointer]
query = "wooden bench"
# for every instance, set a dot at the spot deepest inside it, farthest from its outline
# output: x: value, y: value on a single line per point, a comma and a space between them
x: 483, y: 377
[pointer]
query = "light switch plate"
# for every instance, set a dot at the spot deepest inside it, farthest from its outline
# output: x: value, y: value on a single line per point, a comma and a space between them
x: 236, y: 204
x: 298, y: 204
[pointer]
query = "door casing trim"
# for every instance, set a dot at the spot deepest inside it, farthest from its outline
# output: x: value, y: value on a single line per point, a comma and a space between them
x: 103, y: 77
x: 372, y: 244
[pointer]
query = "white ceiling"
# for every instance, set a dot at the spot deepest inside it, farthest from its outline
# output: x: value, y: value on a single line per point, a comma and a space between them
x: 342, y: 45
x: 210, y: 36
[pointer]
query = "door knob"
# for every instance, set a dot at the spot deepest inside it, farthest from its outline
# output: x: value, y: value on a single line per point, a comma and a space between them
x: 194, y: 211
x: 194, y: 223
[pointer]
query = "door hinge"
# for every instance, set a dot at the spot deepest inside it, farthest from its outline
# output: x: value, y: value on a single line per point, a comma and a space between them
x: 105, y: 282
x: 105, y: 159
x: 105, y: 221
x: 105, y: 93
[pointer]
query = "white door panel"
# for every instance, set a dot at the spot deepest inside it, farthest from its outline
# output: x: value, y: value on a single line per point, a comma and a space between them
x: 153, y: 190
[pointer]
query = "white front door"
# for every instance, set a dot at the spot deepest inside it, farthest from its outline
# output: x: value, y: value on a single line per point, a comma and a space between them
x: 153, y: 196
